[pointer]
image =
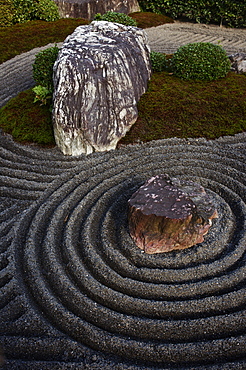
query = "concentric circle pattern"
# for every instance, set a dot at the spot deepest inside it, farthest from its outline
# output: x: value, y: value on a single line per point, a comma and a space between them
x: 76, y: 291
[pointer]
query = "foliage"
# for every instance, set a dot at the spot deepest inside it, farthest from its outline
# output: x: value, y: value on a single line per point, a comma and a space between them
x: 6, y: 13
x: 229, y: 12
x: 23, y: 37
x: 158, y: 61
x: 43, y: 75
x: 47, y: 10
x: 116, y: 17
x: 200, y: 61
x: 42, y: 94
x: 26, y: 10
x: 27, y: 122
x: 43, y: 67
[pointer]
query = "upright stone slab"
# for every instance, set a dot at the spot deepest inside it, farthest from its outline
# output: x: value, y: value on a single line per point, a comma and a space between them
x: 99, y: 76
x: 88, y: 8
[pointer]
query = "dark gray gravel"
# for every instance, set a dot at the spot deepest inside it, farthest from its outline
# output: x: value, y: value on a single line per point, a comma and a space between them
x: 75, y: 292
x: 16, y: 74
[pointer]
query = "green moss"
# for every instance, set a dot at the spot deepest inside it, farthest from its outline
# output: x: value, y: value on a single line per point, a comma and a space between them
x: 148, y: 19
x: 170, y: 108
x: 26, y: 121
x: 27, y: 36
x: 175, y: 108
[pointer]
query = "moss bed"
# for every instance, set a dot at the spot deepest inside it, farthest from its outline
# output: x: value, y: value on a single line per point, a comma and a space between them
x: 23, y: 37
x: 176, y: 108
x: 147, y: 19
x: 27, y: 122
x: 170, y: 108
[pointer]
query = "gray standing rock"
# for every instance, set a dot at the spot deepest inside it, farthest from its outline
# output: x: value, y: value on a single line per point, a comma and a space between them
x: 99, y: 76
x: 238, y: 62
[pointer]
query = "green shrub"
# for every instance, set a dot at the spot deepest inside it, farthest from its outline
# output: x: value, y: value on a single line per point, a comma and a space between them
x: 42, y: 94
x: 158, y: 61
x: 47, y: 10
x: 229, y: 12
x: 43, y: 75
x: 200, y: 61
x: 6, y: 13
x: 117, y: 18
x: 24, y: 10
x: 27, y: 10
x: 43, y: 67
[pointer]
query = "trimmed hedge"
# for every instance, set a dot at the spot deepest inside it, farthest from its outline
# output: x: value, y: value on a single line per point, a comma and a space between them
x: 200, y: 61
x: 43, y: 67
x: 228, y: 12
x: 21, y: 11
x: 43, y: 74
x: 158, y: 61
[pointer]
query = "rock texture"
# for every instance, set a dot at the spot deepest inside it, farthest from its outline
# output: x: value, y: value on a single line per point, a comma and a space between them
x: 88, y: 8
x: 167, y: 214
x: 99, y: 76
x: 238, y: 62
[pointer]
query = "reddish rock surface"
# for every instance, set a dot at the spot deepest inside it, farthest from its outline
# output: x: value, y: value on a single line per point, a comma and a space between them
x: 167, y: 213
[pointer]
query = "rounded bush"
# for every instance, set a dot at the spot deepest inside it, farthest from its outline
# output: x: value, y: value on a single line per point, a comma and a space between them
x: 43, y: 67
x: 116, y: 18
x: 200, y: 61
x: 158, y: 61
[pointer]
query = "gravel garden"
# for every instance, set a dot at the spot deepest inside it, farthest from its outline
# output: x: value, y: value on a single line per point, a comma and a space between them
x: 75, y: 291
